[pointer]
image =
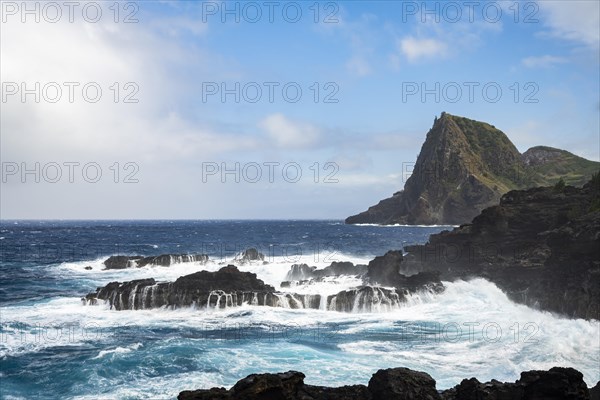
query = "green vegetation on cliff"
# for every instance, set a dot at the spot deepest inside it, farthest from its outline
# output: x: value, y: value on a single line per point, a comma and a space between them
x: 465, y: 166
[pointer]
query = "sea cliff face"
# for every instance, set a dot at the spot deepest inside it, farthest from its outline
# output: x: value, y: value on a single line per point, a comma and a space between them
x: 541, y: 246
x: 465, y: 166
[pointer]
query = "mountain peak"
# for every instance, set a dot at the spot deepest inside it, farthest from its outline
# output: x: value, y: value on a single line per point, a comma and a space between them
x: 465, y: 166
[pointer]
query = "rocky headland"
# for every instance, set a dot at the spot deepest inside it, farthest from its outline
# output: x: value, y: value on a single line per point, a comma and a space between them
x: 541, y: 246
x: 465, y: 166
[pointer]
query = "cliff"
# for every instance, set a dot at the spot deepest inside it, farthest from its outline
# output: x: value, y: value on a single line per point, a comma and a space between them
x: 465, y: 166
x: 541, y: 246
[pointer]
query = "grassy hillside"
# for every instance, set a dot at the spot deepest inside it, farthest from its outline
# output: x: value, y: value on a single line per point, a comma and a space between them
x: 547, y: 165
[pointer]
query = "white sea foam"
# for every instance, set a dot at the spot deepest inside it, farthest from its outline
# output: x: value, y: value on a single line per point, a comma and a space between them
x: 498, y: 338
x: 118, y: 350
x: 273, y: 272
x: 408, y: 226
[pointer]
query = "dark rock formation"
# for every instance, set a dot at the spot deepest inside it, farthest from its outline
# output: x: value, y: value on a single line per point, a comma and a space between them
x: 465, y: 166
x: 366, y: 299
x: 541, y: 246
x: 555, y: 384
x: 286, y: 385
x: 402, y: 384
x: 338, y: 268
x: 300, y: 272
x: 227, y: 287
x: 121, y: 262
x: 248, y: 256
x: 230, y: 287
x: 164, y: 260
x: 385, y: 270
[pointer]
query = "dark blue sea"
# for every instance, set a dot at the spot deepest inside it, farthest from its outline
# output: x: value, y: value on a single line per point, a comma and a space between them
x: 52, y: 346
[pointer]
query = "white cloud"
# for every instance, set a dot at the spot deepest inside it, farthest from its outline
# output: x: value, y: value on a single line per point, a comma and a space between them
x: 573, y: 20
x: 416, y: 49
x: 105, y: 53
x: 289, y: 134
x: 544, y: 61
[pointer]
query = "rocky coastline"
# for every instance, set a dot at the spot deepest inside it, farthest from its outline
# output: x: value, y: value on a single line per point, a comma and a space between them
x: 465, y: 166
x: 230, y: 287
x: 541, y: 246
x: 405, y: 384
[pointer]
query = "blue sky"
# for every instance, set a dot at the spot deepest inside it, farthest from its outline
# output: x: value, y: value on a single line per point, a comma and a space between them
x: 368, y: 56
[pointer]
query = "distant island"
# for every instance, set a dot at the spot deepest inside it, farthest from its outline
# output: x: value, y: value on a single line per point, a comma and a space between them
x: 466, y: 166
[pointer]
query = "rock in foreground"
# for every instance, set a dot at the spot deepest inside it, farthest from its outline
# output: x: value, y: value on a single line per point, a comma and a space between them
x: 402, y: 384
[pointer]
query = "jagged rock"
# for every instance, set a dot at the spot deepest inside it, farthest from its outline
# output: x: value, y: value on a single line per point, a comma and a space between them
x: 385, y: 270
x: 227, y: 287
x: 366, y: 299
x: 230, y: 287
x: 472, y: 389
x: 540, y: 246
x: 88, y: 268
x: 403, y: 384
x: 249, y: 255
x: 300, y: 272
x: 121, y: 262
x: 165, y: 260
x: 555, y: 384
x: 337, y: 268
x: 275, y: 385
x: 465, y: 166
x: 211, y: 394
x: 281, y: 386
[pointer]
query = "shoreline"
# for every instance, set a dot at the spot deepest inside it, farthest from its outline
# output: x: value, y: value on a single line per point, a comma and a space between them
x: 403, y: 383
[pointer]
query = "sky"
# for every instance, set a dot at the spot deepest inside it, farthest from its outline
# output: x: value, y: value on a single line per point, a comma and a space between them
x: 268, y: 109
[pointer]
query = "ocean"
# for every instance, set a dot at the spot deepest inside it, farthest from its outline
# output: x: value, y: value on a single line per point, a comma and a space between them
x: 52, y: 346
